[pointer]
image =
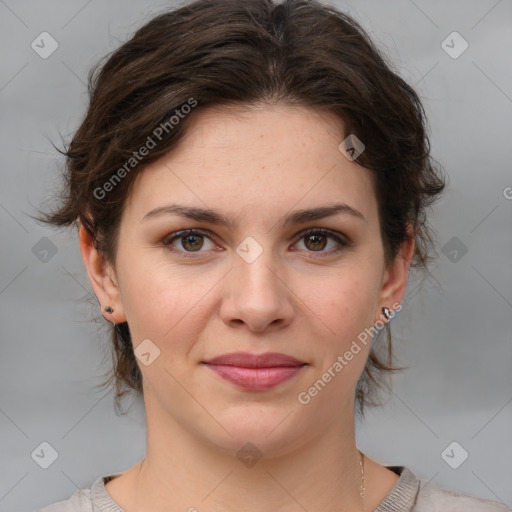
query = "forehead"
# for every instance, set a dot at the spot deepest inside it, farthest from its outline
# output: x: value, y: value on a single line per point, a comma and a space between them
x: 264, y: 158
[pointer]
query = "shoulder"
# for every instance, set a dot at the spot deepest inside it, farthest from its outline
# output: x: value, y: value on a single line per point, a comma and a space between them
x: 80, y: 501
x: 433, y: 498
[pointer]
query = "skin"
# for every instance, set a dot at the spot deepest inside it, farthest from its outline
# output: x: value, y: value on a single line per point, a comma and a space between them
x: 255, y: 166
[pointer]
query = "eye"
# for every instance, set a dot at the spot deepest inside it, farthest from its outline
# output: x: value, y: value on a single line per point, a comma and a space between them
x: 316, y: 239
x: 191, y: 240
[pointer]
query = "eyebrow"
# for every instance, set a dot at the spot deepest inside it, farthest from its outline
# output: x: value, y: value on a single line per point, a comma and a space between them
x: 215, y: 217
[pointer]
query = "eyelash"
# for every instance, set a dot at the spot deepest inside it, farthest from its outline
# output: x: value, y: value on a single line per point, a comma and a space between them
x: 342, y: 243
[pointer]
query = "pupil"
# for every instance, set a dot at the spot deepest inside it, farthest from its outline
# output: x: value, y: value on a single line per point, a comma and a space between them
x: 315, y: 239
x: 194, y: 239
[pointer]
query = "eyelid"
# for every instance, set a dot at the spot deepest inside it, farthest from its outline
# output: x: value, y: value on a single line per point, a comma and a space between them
x: 340, y: 237
x: 342, y: 240
x: 175, y: 235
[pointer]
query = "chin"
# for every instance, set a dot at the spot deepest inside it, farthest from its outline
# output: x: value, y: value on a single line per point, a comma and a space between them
x: 270, y: 432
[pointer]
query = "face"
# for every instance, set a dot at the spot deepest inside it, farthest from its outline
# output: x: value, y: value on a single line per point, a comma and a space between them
x: 267, y: 280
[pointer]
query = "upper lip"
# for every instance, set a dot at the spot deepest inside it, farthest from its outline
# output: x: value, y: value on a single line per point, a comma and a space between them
x: 247, y: 360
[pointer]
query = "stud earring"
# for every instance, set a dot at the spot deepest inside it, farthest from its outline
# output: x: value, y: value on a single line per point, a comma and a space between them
x: 109, y: 309
x: 386, y: 312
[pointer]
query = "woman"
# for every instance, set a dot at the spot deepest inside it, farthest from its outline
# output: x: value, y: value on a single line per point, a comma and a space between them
x: 250, y: 185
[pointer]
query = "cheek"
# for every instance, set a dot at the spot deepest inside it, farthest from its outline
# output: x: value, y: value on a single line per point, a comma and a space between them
x: 165, y: 304
x: 340, y: 310
x: 344, y: 301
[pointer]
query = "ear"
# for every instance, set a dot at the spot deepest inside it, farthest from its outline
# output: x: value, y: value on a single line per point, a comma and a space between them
x: 102, y: 278
x: 394, y: 281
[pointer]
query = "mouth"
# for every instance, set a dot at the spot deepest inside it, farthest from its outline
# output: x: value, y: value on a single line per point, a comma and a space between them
x: 255, y: 371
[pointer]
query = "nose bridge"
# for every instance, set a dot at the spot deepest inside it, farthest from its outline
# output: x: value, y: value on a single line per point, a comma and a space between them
x: 254, y: 265
x: 257, y: 294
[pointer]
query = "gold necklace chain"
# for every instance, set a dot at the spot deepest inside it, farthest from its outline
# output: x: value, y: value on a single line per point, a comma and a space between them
x: 361, y: 464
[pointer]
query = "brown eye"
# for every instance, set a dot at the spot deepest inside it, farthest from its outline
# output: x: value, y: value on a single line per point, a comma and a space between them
x: 192, y: 242
x: 315, y: 242
x: 188, y: 241
x: 317, y: 239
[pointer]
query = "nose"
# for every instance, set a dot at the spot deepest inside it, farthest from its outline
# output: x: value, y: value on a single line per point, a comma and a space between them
x: 257, y: 295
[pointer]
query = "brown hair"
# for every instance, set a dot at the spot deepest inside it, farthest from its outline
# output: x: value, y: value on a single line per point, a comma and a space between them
x: 244, y: 53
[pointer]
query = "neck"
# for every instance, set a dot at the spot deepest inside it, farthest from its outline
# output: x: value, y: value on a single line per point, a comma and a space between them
x: 187, y: 472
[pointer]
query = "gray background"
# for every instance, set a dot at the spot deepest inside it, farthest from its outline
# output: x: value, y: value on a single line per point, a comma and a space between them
x: 454, y: 332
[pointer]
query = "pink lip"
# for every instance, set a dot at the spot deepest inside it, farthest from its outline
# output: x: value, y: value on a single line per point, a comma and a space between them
x: 256, y: 372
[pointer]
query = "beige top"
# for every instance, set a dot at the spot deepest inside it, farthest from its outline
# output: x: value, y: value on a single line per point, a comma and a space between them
x: 409, y: 494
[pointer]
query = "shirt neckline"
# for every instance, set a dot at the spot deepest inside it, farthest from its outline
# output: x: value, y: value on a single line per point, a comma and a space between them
x: 400, y: 498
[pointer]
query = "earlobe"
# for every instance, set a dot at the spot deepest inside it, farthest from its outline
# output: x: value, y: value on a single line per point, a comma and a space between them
x: 102, y: 278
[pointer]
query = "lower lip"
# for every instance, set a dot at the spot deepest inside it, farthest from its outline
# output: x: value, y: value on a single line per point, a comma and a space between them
x: 255, y: 378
